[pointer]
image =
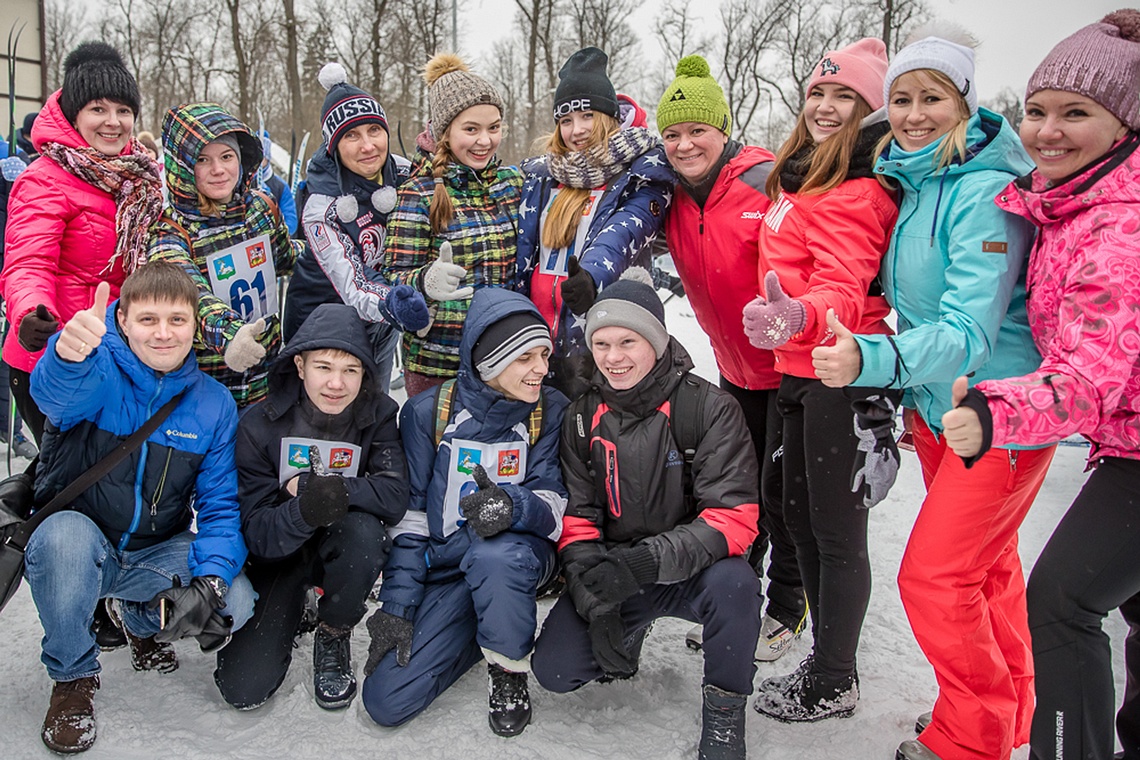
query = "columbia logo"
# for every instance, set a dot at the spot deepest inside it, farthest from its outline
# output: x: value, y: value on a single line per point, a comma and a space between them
x: 180, y: 434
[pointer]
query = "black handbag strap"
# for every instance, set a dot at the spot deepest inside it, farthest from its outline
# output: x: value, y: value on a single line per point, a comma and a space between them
x: 62, y: 499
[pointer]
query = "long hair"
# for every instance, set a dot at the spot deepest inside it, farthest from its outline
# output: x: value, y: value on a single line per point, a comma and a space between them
x: 952, y: 147
x: 561, y: 223
x: 829, y: 159
x: 209, y: 206
x: 441, y: 211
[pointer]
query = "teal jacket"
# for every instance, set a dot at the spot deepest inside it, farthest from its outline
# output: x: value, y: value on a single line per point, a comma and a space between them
x: 954, y: 273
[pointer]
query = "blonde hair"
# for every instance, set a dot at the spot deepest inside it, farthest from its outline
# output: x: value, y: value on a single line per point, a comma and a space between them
x: 562, y: 220
x: 829, y: 159
x: 209, y: 206
x: 952, y: 147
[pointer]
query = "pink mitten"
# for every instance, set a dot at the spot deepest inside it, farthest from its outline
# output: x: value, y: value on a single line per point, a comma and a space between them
x: 771, y: 322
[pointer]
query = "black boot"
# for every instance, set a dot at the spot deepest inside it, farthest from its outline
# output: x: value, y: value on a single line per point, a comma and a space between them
x: 722, y: 725
x: 509, y: 701
x: 812, y: 698
x: 108, y: 635
x: 334, y: 683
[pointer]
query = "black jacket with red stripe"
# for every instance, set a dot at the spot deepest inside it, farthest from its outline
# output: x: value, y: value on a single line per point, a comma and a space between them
x: 630, y: 488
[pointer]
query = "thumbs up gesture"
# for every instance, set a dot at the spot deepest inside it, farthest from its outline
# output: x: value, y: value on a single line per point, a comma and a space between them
x: 489, y: 510
x: 960, y: 425
x: 244, y: 352
x: 838, y: 365
x: 442, y: 278
x: 84, y: 332
x: 771, y: 321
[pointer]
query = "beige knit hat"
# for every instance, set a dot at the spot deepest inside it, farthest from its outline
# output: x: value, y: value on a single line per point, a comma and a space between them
x: 453, y: 87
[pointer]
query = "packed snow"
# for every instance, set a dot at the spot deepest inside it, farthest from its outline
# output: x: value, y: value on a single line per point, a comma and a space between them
x: 655, y: 715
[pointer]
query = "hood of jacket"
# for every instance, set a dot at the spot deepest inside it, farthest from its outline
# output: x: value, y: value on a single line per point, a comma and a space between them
x: 52, y: 126
x: 330, y: 325
x: 186, y: 130
x: 654, y: 389
x: 488, y: 306
x: 991, y: 143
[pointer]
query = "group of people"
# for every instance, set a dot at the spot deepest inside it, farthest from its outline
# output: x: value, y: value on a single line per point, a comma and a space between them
x: 555, y: 434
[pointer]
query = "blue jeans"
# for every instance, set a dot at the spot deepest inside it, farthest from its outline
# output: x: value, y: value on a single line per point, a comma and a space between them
x: 70, y: 565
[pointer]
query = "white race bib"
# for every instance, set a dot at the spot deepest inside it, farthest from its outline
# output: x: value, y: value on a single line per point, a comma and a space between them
x: 554, y: 261
x: 339, y: 457
x: 504, y: 462
x: 243, y: 276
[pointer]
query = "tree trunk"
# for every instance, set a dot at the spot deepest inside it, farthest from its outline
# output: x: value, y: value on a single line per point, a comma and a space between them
x: 293, y: 73
x: 239, y: 59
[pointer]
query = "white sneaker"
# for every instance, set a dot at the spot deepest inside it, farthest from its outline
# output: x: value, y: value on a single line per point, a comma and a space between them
x: 693, y: 637
x: 776, y: 638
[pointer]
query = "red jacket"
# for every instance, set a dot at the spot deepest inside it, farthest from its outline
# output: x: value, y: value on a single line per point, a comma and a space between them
x: 716, y: 252
x: 826, y: 248
x: 60, y: 238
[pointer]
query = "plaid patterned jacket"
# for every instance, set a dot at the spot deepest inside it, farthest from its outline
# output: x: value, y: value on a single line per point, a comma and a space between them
x: 186, y: 236
x: 483, y: 234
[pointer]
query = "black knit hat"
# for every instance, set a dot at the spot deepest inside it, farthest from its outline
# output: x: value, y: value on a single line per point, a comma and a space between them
x: 584, y: 86
x: 92, y: 71
x: 506, y: 340
x: 632, y: 303
x: 345, y: 106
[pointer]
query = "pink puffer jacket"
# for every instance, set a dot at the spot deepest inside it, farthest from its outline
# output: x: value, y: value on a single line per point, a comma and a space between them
x: 60, y: 238
x: 1084, y: 310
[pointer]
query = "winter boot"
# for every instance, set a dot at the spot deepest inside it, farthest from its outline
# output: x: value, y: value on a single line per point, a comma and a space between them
x: 776, y: 638
x: 334, y: 684
x: 922, y: 721
x: 108, y: 635
x: 722, y: 725
x: 813, y: 698
x: 913, y: 749
x: 783, y: 684
x: 509, y: 701
x: 146, y: 654
x: 69, y: 725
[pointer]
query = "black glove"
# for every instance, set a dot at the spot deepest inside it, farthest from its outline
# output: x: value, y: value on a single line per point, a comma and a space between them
x: 578, y: 289
x: 35, y: 329
x: 188, y: 608
x: 877, y: 458
x: 216, y: 633
x: 621, y: 573
x: 489, y: 510
x: 388, y: 631
x: 323, y: 498
x: 607, y: 639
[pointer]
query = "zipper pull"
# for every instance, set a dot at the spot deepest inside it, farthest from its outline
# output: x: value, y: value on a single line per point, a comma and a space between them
x: 153, y: 517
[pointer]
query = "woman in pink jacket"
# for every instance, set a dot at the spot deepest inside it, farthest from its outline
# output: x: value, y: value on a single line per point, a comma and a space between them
x: 80, y: 214
x: 1082, y: 113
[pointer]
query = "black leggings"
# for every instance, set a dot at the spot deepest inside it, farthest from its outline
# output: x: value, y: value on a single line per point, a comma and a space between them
x: 22, y: 394
x: 826, y: 518
x: 1090, y: 566
x: 785, y: 589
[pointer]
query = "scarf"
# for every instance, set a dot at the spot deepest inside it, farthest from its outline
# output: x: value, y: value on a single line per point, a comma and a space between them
x: 134, y: 181
x: 596, y: 166
x: 862, y: 163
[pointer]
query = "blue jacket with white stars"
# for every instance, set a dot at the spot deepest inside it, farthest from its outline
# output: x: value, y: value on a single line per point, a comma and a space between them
x: 629, y: 214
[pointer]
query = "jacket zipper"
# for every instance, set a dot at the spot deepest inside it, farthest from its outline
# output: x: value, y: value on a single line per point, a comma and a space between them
x: 126, y: 537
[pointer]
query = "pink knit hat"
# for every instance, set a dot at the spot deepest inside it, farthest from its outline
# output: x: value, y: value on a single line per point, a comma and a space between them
x: 1101, y: 62
x: 861, y: 66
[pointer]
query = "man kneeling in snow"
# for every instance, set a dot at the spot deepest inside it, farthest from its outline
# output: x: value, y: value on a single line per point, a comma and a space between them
x: 127, y: 539
x: 662, y: 479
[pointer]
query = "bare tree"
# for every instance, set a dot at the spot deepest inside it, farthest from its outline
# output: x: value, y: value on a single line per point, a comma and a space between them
x: 604, y: 24
x: 1007, y: 103
x: 64, y: 23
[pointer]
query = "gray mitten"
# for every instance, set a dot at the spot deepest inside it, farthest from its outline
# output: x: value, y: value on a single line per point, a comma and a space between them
x: 244, y: 352
x: 442, y: 278
x: 877, y: 460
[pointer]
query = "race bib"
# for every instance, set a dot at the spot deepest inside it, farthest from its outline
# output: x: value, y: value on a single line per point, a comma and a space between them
x: 554, y: 261
x: 339, y: 457
x: 504, y: 462
x: 243, y: 277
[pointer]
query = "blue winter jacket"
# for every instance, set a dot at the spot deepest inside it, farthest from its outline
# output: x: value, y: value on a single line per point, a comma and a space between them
x: 93, y: 405
x: 629, y: 216
x: 954, y: 273
x: 427, y: 546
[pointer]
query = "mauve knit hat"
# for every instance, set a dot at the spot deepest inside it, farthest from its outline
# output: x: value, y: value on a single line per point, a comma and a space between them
x: 860, y: 66
x: 452, y: 88
x: 632, y: 303
x: 95, y: 71
x: 1100, y: 61
x: 345, y: 106
x: 694, y: 96
x: 584, y: 86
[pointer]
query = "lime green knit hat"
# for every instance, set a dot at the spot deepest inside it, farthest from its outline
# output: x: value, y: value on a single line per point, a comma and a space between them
x: 694, y: 96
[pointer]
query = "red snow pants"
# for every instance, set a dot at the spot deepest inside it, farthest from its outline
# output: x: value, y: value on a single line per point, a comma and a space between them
x: 964, y: 593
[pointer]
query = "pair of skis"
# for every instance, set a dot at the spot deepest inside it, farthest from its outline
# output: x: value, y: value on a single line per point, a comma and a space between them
x: 13, y: 44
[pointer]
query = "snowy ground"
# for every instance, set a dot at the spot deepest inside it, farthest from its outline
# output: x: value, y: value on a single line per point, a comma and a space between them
x: 656, y: 715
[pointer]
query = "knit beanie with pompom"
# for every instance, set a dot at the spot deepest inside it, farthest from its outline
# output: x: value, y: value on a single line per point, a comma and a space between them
x: 694, y: 96
x: 95, y: 71
x: 453, y: 88
x: 345, y: 106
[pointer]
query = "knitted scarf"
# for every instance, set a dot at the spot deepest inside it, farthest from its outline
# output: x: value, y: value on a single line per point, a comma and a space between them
x: 596, y: 166
x: 134, y: 181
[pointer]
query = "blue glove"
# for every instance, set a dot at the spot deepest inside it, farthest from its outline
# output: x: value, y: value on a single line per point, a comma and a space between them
x: 405, y: 308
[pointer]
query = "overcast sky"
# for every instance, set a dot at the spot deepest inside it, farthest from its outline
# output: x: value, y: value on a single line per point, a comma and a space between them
x: 1014, y: 35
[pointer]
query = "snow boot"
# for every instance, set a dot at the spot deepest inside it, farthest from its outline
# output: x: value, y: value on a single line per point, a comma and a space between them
x: 776, y: 638
x: 922, y: 721
x: 334, y: 684
x: 108, y: 635
x: 783, y: 684
x: 913, y: 749
x: 722, y: 725
x: 812, y: 698
x: 69, y: 725
x: 508, y: 701
x: 146, y: 654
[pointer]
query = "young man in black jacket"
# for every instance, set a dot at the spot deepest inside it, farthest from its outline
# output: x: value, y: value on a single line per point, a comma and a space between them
x: 310, y: 523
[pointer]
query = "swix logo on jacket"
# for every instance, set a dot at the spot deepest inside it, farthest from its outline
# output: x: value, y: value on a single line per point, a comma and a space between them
x: 775, y: 216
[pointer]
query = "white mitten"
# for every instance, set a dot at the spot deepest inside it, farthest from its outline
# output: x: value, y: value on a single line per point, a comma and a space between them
x: 442, y: 278
x: 244, y: 352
